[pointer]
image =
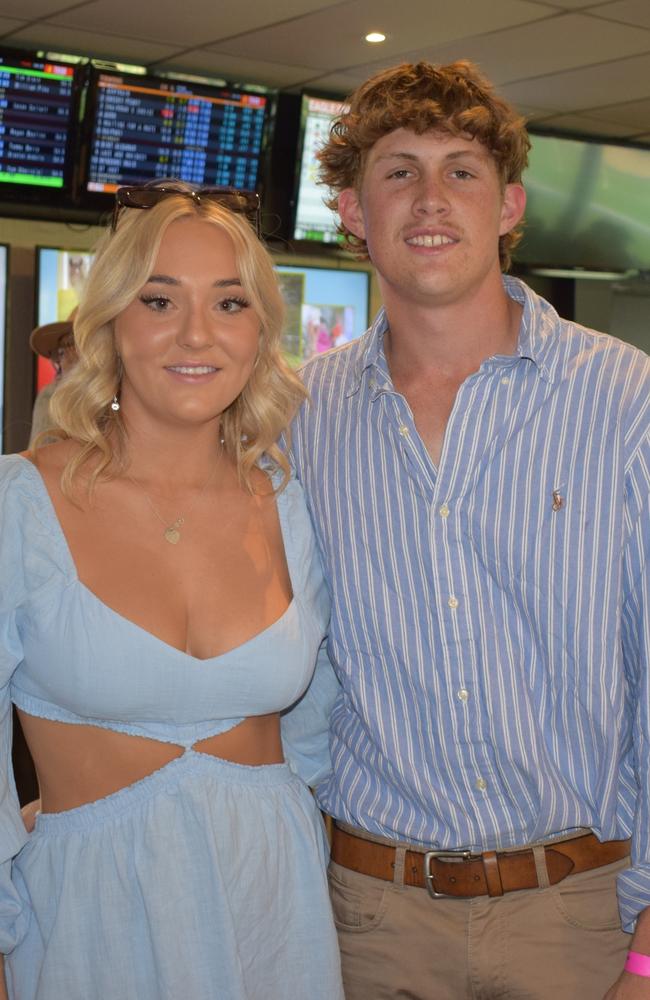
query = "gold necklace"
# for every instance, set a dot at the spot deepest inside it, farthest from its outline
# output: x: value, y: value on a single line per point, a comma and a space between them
x: 172, y: 533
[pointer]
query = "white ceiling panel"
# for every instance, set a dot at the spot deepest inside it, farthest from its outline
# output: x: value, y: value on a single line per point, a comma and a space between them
x: 171, y: 23
x: 573, y: 4
x: 337, y: 83
x: 59, y: 39
x: 329, y: 43
x: 30, y: 10
x: 627, y: 12
x: 549, y: 46
x: 9, y: 24
x: 206, y: 63
x: 586, y: 126
x: 593, y: 87
x: 636, y: 114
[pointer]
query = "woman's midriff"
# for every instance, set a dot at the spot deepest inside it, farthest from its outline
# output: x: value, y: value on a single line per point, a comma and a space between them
x: 76, y: 764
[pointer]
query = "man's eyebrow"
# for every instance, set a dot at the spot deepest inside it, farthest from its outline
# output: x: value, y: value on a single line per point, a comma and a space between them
x: 396, y: 156
x: 455, y: 154
x: 166, y: 279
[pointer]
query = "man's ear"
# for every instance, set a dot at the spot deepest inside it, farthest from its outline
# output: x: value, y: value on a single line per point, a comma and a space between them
x: 350, y: 212
x: 513, y: 207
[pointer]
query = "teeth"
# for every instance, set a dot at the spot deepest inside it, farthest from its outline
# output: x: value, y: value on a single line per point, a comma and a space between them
x: 192, y: 369
x: 429, y: 241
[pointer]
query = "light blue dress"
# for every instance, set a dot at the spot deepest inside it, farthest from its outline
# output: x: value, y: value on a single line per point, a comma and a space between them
x: 205, y: 880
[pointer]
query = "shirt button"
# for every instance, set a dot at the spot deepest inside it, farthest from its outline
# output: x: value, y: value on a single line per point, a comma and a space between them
x: 444, y: 510
x: 463, y: 694
x: 453, y: 602
x: 481, y: 784
x: 373, y: 383
x: 505, y: 380
x: 404, y: 431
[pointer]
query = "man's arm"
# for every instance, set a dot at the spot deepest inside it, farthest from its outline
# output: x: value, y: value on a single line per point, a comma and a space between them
x: 634, y: 884
x: 305, y: 726
x: 629, y: 986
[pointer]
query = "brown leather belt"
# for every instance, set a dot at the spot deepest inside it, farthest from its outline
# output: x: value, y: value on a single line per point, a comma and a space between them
x: 461, y: 873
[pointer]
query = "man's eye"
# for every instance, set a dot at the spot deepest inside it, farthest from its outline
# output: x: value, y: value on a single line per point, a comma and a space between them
x: 401, y: 173
x: 463, y: 174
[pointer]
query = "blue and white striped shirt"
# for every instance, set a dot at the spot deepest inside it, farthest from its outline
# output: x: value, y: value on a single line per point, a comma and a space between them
x: 491, y: 617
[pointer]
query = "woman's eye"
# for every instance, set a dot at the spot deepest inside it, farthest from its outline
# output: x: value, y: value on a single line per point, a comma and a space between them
x: 233, y: 305
x: 157, y: 303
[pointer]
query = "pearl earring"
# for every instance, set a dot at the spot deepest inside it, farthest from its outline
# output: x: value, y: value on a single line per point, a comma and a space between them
x: 115, y: 405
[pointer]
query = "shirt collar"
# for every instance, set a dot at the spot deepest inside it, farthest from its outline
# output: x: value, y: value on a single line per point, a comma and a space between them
x: 538, y: 328
x: 372, y: 359
x: 539, y: 324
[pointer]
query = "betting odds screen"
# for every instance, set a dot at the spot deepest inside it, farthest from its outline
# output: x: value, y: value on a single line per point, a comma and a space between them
x: 314, y: 221
x: 147, y: 128
x: 35, y: 117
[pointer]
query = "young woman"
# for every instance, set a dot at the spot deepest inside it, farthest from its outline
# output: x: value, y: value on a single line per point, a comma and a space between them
x: 161, y: 605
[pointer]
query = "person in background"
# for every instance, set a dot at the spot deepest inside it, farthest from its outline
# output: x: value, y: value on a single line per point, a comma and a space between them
x: 478, y: 473
x: 54, y: 341
x: 162, y: 603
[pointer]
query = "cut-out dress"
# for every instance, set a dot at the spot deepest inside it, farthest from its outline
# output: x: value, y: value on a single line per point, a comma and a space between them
x: 205, y: 880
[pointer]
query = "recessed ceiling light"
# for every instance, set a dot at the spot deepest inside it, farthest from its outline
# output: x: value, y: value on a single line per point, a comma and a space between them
x: 375, y: 36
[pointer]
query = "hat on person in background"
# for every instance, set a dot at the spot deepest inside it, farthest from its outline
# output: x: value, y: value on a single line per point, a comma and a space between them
x: 45, y: 339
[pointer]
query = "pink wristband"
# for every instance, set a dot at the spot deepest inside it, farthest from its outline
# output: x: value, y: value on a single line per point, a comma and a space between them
x: 638, y: 964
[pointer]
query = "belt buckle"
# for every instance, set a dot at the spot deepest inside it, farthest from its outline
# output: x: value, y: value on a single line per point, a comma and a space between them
x: 451, y: 855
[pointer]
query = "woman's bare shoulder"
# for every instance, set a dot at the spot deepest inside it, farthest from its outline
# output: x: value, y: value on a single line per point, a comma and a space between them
x: 51, y: 459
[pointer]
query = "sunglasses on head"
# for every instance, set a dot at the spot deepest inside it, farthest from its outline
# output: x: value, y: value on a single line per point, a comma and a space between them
x: 242, y: 202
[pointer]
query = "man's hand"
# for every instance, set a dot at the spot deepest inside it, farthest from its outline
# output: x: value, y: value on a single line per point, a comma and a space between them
x: 629, y: 987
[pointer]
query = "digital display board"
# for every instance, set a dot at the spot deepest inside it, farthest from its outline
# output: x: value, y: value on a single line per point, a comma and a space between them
x: 36, y: 102
x: 325, y: 308
x: 147, y: 128
x: 314, y: 221
x: 588, y: 205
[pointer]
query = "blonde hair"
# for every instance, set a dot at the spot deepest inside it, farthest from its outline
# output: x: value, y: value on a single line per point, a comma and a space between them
x: 81, y: 405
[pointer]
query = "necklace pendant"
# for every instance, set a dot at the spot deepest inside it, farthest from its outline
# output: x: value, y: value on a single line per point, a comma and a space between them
x: 172, y: 535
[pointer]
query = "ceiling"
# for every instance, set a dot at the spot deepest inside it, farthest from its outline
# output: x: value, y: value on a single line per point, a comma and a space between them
x: 569, y: 65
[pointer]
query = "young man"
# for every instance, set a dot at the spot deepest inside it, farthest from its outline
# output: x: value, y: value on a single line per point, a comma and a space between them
x: 478, y: 471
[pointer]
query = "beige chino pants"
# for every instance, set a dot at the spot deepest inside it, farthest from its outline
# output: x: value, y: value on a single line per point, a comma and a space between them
x: 562, y: 942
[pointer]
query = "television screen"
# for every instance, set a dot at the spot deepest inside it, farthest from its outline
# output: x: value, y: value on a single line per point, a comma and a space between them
x: 314, y: 221
x: 325, y: 307
x: 3, y: 314
x: 36, y: 119
x: 588, y: 205
x: 61, y: 276
x: 145, y: 128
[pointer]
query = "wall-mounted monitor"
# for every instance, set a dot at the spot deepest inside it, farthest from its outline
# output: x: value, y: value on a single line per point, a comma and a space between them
x: 588, y: 205
x: 3, y: 320
x: 325, y: 307
x: 60, y: 279
x: 144, y: 127
x: 313, y: 220
x: 37, y: 101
